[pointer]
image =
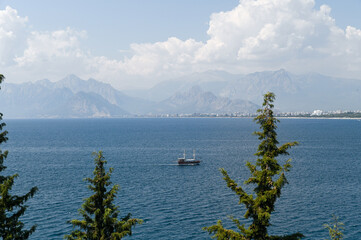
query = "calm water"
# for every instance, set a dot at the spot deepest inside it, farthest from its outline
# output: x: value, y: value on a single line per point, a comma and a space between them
x: 176, y: 202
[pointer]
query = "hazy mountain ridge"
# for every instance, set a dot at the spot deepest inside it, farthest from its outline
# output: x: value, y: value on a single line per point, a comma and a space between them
x: 74, y: 97
x: 210, y: 81
x: 113, y: 96
x: 33, y: 100
x: 209, y: 92
x: 294, y: 93
x: 195, y: 100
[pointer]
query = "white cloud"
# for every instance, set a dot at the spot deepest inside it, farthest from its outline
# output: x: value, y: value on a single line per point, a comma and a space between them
x: 54, y: 53
x: 171, y: 55
x: 258, y: 35
x: 255, y: 35
x: 50, y: 46
x: 12, y: 35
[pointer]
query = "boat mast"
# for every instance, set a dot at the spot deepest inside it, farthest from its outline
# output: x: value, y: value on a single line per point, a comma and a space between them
x: 194, y: 154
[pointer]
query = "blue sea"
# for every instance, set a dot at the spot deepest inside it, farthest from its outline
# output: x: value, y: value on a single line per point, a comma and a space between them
x: 175, y: 202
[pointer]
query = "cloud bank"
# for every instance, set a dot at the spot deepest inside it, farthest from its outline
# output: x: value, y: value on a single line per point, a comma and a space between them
x: 256, y: 35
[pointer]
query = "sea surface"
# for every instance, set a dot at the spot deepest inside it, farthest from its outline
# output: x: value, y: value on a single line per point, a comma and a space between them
x: 175, y: 202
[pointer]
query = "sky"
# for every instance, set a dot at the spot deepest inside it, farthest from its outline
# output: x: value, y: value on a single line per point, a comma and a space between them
x: 138, y: 43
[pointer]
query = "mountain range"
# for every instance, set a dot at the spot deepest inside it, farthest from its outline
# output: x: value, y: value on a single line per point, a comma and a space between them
x: 294, y: 93
x: 195, y: 100
x: 73, y: 97
x: 207, y: 92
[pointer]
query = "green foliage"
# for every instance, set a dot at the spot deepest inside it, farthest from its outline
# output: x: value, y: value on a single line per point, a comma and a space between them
x: 267, y: 175
x: 11, y: 206
x: 100, y: 215
x: 335, y: 229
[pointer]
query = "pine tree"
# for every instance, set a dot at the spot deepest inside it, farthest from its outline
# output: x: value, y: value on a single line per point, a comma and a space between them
x: 11, y: 206
x: 267, y: 175
x: 99, y: 212
x: 335, y: 229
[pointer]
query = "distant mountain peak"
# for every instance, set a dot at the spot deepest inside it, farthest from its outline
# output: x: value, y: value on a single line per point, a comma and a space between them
x: 195, y: 100
x: 195, y: 90
x: 72, y: 76
x: 282, y: 74
x: 44, y: 81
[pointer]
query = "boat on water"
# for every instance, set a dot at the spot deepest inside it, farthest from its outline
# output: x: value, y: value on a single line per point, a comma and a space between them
x: 190, y: 161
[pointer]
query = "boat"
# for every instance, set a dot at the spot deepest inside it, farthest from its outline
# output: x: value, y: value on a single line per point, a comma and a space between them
x: 190, y: 161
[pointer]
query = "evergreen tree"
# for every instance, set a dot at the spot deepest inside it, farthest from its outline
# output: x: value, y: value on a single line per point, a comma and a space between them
x: 267, y: 175
x: 335, y: 229
x: 11, y: 206
x: 100, y: 214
